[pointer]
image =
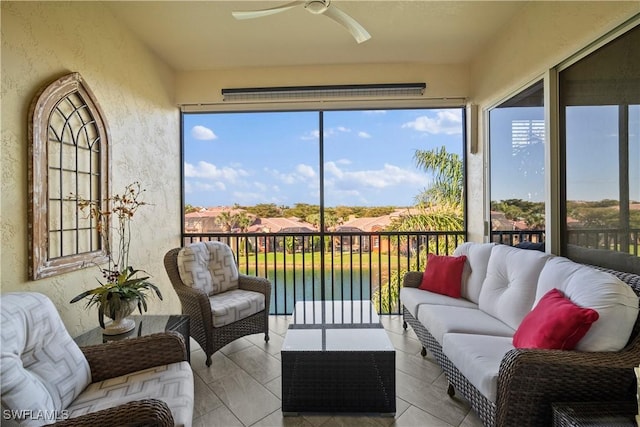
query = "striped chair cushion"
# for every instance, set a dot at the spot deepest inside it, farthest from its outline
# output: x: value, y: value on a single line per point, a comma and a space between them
x: 235, y: 305
x: 173, y: 384
x: 209, y: 266
x: 43, y: 370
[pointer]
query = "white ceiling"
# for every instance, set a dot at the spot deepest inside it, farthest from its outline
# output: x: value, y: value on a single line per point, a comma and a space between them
x: 202, y: 35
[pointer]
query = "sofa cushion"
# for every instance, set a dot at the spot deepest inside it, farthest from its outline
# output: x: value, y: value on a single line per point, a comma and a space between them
x: 615, y: 302
x: 555, y: 323
x: 478, y: 358
x: 208, y: 266
x: 442, y: 319
x: 509, y: 289
x: 475, y: 269
x: 173, y: 384
x: 443, y: 274
x: 238, y: 304
x: 413, y: 298
x: 41, y: 367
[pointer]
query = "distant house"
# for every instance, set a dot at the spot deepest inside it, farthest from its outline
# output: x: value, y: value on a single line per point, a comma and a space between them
x: 356, y: 242
x: 206, y: 220
x: 274, y: 226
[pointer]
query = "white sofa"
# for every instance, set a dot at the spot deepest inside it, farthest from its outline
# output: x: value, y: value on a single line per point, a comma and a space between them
x: 472, y: 337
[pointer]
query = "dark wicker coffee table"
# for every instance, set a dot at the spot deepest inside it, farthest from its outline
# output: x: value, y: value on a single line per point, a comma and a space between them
x: 337, y: 357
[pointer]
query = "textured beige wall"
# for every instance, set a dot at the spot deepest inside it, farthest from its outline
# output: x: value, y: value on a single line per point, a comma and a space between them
x: 205, y: 86
x: 521, y: 53
x: 42, y: 41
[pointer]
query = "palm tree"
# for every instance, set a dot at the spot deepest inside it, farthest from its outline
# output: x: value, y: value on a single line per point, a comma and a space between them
x: 225, y: 220
x: 242, y: 220
x: 441, y: 209
x: 448, y: 176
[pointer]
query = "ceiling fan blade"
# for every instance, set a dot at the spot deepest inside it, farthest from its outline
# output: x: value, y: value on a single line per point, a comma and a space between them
x: 357, y: 31
x: 250, y: 14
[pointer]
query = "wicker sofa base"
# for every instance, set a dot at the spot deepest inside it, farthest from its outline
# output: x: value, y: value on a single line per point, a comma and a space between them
x: 485, y: 409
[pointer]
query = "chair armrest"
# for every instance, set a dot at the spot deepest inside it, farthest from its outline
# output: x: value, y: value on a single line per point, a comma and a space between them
x: 412, y: 279
x: 529, y: 381
x: 146, y: 412
x: 117, y: 358
x: 256, y: 284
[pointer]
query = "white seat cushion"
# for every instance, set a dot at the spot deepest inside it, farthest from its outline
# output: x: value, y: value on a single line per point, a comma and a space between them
x: 412, y: 298
x: 238, y: 304
x: 615, y: 302
x: 478, y: 358
x: 475, y: 269
x: 209, y: 266
x: 173, y: 384
x: 509, y: 290
x: 42, y: 368
x: 442, y: 319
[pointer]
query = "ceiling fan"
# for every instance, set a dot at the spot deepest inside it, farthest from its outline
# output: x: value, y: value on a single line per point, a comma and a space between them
x: 317, y: 7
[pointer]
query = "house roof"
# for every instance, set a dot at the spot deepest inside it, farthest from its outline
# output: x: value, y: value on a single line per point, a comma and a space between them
x: 281, y: 225
x: 214, y: 212
x: 366, y: 223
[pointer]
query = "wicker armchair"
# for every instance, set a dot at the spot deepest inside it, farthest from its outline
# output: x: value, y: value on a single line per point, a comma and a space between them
x: 105, y: 361
x: 44, y: 373
x: 197, y: 301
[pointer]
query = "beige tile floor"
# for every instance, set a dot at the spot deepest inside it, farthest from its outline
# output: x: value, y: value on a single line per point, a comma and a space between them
x: 242, y: 386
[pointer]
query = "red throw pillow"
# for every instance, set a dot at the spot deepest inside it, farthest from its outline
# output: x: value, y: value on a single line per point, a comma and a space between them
x: 554, y: 323
x: 443, y: 274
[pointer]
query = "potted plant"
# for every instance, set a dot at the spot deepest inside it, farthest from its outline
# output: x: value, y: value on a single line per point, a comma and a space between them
x: 122, y: 287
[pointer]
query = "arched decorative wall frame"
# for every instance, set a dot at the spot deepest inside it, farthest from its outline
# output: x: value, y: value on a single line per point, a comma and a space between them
x: 68, y: 155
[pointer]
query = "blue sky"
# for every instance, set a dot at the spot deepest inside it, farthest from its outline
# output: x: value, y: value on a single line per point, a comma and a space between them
x: 251, y: 158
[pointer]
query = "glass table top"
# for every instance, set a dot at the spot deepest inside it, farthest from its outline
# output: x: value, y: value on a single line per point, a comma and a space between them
x: 336, y: 326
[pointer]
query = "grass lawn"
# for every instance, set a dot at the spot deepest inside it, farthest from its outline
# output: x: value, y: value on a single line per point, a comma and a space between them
x: 346, y: 260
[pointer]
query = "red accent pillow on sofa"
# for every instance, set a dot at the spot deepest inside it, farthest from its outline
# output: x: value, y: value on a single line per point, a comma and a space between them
x: 554, y: 323
x: 443, y: 274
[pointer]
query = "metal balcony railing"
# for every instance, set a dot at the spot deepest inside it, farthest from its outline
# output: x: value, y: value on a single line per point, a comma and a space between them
x: 612, y: 239
x: 627, y: 240
x: 334, y: 265
x: 513, y: 237
x: 367, y: 265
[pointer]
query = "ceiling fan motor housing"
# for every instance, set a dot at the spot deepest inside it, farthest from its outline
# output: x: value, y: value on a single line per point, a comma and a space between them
x: 317, y: 7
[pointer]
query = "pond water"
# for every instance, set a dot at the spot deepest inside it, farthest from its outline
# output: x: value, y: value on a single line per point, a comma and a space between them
x: 307, y: 286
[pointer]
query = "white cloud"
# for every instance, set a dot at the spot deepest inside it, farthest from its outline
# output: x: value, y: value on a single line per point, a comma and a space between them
x: 212, y: 186
x: 448, y: 122
x: 202, y: 133
x: 363, y: 134
x: 247, y: 198
x: 388, y: 176
x: 301, y: 173
x: 328, y: 133
x: 312, y: 135
x: 205, y: 170
x: 261, y: 186
x: 305, y: 170
x: 375, y: 112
